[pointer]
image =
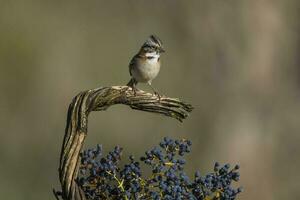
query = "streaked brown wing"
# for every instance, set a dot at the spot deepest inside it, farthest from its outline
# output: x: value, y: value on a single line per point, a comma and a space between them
x: 133, y: 62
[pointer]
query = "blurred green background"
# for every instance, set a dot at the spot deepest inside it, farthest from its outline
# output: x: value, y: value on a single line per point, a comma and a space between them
x: 237, y: 62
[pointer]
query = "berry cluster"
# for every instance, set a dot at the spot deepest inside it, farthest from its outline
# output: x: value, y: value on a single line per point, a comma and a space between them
x: 101, y: 177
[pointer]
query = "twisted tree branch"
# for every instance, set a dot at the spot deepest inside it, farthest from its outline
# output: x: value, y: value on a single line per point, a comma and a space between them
x: 97, y: 100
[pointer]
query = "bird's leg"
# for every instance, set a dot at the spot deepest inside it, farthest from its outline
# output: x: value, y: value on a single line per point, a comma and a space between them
x: 155, y: 92
x: 134, y: 88
x: 132, y: 83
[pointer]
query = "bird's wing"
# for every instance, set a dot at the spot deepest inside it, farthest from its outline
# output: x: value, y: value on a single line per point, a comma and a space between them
x: 133, y: 62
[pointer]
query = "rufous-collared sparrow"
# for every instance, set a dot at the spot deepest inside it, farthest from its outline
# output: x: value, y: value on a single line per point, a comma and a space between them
x: 145, y: 65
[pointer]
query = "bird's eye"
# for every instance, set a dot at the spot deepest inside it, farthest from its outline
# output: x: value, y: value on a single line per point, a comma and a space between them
x: 147, y: 48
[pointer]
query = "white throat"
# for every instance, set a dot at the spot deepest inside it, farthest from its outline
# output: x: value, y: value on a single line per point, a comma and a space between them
x: 152, y: 57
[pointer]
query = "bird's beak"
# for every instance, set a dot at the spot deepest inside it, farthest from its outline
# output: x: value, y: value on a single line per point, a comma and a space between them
x: 162, y: 50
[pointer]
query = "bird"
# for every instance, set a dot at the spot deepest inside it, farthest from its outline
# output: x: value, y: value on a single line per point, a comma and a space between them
x: 145, y: 65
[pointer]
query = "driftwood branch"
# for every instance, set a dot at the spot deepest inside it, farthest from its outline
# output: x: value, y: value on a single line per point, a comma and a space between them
x: 98, y: 100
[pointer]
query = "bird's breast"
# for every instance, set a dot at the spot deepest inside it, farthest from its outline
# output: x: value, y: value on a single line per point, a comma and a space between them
x: 146, y: 70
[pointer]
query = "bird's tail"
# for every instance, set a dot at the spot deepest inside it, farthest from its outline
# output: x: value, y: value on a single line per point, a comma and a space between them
x: 131, y: 83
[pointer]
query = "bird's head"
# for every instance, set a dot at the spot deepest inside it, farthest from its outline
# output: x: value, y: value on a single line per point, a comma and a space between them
x: 153, y: 45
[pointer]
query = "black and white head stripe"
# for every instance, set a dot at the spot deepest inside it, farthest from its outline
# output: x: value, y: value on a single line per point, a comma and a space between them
x: 153, y: 41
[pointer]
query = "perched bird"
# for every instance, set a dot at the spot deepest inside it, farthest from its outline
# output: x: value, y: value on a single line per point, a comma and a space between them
x: 145, y: 65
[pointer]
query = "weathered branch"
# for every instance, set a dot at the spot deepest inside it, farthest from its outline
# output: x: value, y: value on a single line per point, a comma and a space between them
x: 97, y: 100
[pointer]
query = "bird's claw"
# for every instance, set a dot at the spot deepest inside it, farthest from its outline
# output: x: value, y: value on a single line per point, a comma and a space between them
x: 134, y: 90
x: 158, y: 95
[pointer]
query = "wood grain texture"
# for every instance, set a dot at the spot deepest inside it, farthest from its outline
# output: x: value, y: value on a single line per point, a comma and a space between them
x: 98, y: 100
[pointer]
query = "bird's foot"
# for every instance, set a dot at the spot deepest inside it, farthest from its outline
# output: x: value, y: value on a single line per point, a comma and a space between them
x: 133, y: 88
x: 158, y: 95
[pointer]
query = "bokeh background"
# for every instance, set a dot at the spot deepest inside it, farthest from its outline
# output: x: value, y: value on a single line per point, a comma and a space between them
x: 237, y: 62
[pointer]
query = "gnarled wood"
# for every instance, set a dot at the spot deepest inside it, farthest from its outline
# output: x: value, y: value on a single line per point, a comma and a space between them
x: 97, y: 100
